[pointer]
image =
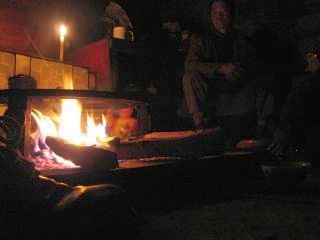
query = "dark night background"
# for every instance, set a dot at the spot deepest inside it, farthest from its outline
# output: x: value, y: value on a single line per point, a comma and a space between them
x: 280, y: 32
x: 294, y: 19
x: 217, y: 205
x: 147, y: 16
x: 264, y: 22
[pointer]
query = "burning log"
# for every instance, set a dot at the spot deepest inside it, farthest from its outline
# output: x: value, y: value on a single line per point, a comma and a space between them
x: 88, y: 157
x: 183, y: 144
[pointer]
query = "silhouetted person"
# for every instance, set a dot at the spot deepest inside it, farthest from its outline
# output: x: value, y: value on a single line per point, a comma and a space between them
x: 298, y: 114
x: 216, y: 82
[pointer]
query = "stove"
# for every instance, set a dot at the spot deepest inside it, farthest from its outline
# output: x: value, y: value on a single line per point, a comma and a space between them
x: 96, y: 116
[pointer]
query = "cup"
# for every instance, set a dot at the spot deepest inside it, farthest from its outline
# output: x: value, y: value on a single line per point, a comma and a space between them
x: 122, y: 33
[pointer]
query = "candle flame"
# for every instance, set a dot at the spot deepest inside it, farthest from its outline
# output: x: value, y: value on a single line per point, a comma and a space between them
x: 63, y: 31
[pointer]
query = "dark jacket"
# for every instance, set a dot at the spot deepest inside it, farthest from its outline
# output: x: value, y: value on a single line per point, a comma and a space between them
x: 209, y: 50
x: 206, y: 53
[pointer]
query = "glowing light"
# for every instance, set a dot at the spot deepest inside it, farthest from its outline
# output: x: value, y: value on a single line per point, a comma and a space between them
x: 67, y: 82
x: 96, y: 134
x: 62, y: 31
x: 67, y: 126
x: 44, y: 158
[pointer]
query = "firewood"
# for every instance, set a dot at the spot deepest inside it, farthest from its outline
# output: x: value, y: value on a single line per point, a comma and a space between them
x: 88, y: 157
x: 185, y: 144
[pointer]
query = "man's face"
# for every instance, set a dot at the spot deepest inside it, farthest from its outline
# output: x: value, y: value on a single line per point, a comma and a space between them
x: 220, y: 16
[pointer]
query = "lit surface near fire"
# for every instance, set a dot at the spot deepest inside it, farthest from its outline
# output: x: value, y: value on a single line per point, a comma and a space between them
x: 67, y: 126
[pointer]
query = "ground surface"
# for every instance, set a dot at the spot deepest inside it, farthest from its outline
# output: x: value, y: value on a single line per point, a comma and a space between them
x: 248, y: 212
x: 219, y: 199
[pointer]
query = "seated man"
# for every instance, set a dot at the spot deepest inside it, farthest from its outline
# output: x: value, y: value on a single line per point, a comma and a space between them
x: 215, y: 82
x: 298, y: 113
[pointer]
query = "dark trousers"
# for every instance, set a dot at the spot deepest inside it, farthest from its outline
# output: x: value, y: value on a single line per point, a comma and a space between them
x: 204, y: 96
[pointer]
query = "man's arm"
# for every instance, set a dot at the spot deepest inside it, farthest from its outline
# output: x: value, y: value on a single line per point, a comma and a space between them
x: 195, y: 59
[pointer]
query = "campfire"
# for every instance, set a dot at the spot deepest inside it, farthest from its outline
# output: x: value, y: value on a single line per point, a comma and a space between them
x: 66, y: 131
x: 68, y: 127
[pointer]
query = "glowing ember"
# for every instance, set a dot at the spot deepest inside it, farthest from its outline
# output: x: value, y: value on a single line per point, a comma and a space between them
x: 68, y: 127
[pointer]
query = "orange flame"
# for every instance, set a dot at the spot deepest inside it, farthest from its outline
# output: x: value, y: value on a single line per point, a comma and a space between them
x: 68, y: 127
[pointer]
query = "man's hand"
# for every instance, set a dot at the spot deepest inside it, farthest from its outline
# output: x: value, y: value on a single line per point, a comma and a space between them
x: 231, y: 70
x: 313, y: 63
